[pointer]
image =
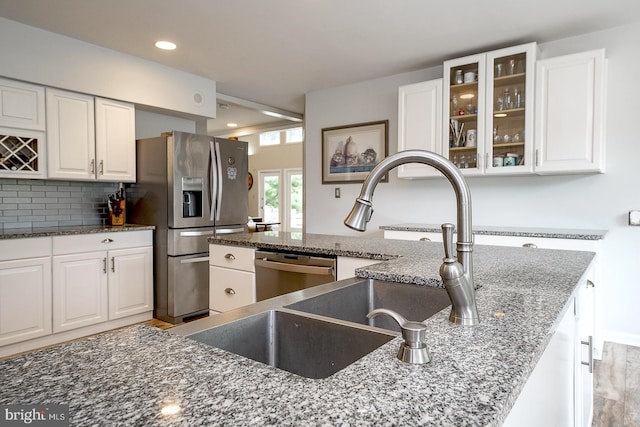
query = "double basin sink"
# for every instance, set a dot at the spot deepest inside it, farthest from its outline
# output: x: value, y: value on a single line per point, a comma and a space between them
x: 318, y: 331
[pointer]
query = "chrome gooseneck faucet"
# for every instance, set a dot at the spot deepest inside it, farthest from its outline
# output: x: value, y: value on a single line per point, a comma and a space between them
x: 457, y: 274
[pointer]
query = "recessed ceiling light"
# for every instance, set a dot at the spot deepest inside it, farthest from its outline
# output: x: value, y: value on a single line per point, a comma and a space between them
x: 165, y: 45
x: 232, y: 125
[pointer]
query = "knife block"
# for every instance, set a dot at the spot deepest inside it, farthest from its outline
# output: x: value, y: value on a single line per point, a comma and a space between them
x: 118, y: 219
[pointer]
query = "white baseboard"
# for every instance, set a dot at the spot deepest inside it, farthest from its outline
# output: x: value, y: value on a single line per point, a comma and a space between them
x: 622, y: 338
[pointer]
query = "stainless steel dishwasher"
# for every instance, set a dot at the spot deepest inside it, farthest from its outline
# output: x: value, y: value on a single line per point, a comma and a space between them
x: 279, y: 273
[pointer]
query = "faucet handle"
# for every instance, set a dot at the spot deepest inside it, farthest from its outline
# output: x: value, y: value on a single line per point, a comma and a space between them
x: 447, y: 240
x: 414, y: 348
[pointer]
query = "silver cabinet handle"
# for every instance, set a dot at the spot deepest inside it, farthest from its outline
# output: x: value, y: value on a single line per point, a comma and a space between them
x: 113, y: 265
x: 92, y: 166
x: 425, y: 239
x: 229, y: 291
x: 104, y: 265
x: 589, y: 343
x: 101, y: 167
x: 530, y: 245
x: 107, y: 240
x: 230, y: 257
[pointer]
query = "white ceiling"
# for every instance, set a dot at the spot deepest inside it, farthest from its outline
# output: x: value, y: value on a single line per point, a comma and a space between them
x: 275, y: 51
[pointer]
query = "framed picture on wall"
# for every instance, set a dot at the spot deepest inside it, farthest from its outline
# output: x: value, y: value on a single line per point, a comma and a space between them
x: 350, y: 152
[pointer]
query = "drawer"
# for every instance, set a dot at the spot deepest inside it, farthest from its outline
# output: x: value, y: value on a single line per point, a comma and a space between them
x: 229, y: 289
x: 236, y: 257
x: 101, y: 241
x: 32, y: 247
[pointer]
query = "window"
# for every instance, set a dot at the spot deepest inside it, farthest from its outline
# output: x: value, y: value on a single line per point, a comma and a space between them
x: 294, y: 135
x: 286, y: 136
x: 281, y: 202
x: 293, y: 200
x: 269, y: 193
x: 270, y: 138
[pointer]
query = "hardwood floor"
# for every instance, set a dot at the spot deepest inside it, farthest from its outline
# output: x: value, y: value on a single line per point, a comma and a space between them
x: 617, y: 387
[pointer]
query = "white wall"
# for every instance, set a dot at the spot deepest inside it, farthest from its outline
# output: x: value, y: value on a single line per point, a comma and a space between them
x: 50, y: 59
x: 579, y: 201
x: 149, y: 124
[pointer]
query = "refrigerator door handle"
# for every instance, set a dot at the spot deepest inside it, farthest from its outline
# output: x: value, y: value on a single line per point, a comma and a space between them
x: 196, y: 233
x: 219, y: 183
x: 192, y: 260
x: 213, y: 183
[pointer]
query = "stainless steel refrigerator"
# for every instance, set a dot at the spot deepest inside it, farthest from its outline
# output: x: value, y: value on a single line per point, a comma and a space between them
x: 190, y: 187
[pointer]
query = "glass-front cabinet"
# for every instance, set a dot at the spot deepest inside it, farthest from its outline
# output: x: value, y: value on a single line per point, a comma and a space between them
x: 489, y: 125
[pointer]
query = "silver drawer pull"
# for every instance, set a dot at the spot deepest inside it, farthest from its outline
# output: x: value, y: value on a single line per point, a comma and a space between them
x: 229, y: 291
x: 107, y: 240
x: 589, y: 343
x: 530, y: 245
x: 230, y: 257
x: 425, y: 239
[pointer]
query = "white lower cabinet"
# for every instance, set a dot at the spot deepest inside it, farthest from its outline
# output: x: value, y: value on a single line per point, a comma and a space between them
x: 130, y: 281
x: 232, y: 277
x: 53, y: 289
x: 25, y: 299
x: 79, y: 290
x: 559, y: 391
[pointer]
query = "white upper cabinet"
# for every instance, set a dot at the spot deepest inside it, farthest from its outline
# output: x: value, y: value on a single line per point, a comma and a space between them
x: 570, y: 111
x: 488, y: 125
x: 71, y: 132
x: 420, y: 124
x: 90, y: 138
x: 21, y: 105
x: 115, y: 140
x: 22, y: 125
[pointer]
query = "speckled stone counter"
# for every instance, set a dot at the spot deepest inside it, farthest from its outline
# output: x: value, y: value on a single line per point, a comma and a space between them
x: 21, y: 233
x: 548, y: 233
x: 126, y: 377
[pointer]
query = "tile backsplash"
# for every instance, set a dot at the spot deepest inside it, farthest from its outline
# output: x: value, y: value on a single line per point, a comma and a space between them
x: 29, y: 203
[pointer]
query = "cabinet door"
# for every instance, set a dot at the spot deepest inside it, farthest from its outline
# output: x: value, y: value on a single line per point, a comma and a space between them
x: 509, y: 104
x: 570, y: 113
x: 130, y: 281
x: 21, y: 105
x: 584, y: 367
x: 25, y: 299
x: 464, y: 94
x: 230, y: 289
x: 79, y: 290
x: 115, y: 140
x: 420, y: 124
x: 547, y: 398
x: 71, y: 135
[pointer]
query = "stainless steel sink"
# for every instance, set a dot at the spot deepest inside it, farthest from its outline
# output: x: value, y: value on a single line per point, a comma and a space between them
x: 352, y: 303
x: 304, y: 345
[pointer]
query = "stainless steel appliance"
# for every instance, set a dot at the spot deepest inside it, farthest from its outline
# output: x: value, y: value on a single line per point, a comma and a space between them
x: 280, y: 273
x: 190, y: 187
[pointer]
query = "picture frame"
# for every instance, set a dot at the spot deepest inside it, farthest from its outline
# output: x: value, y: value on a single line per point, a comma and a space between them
x: 350, y: 152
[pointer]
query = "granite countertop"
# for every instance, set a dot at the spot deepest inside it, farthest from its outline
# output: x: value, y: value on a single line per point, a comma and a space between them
x: 125, y: 377
x: 21, y: 233
x: 548, y: 233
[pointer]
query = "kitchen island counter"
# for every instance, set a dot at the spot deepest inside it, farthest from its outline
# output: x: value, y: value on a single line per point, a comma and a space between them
x: 476, y: 373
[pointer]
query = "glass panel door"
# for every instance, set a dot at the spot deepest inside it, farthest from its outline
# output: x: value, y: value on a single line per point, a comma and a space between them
x: 464, y: 88
x: 269, y: 193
